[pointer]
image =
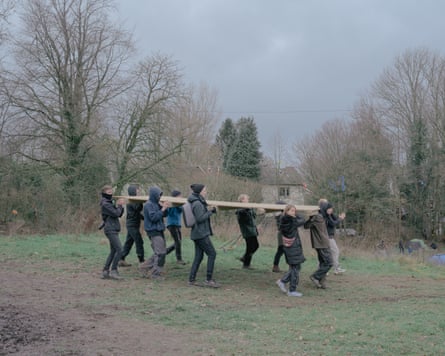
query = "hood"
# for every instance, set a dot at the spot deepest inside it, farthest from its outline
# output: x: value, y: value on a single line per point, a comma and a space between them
x: 194, y: 197
x: 323, y: 207
x: 154, y: 194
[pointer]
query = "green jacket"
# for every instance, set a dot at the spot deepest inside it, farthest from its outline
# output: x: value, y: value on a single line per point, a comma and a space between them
x: 319, y: 231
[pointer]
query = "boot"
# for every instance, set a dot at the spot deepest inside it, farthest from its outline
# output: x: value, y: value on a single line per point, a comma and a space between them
x: 276, y: 269
x: 123, y: 263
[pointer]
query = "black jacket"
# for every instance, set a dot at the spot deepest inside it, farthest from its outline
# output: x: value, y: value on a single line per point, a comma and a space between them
x: 331, y: 222
x: 289, y: 228
x: 246, y: 221
x: 110, y: 214
x: 134, y: 214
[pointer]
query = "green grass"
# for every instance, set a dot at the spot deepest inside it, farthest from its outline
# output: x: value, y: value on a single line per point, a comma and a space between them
x: 381, y: 306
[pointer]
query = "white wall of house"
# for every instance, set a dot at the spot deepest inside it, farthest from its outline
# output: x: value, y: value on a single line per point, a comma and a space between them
x: 292, y: 194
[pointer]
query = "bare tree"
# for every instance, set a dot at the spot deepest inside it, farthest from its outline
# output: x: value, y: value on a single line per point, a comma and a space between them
x: 67, y: 66
x: 146, y: 118
x: 320, y: 158
x: 279, y: 148
x: 411, y: 97
x: 6, y: 8
x: 198, y: 118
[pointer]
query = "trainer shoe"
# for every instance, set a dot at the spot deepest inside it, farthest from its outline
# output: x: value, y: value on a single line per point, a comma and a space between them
x: 123, y: 263
x: 339, y: 271
x: 181, y: 262
x: 211, y: 283
x: 105, y: 274
x: 315, y: 281
x: 114, y: 274
x: 194, y: 284
x: 281, y: 285
x: 323, y: 283
x: 295, y: 294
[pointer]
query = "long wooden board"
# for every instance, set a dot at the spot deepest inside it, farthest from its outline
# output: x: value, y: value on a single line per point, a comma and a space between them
x: 225, y: 205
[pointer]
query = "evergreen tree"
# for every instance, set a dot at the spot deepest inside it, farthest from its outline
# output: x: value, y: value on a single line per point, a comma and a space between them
x: 244, y: 156
x: 225, y: 139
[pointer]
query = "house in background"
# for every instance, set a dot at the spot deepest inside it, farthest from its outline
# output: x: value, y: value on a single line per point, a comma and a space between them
x: 283, y: 185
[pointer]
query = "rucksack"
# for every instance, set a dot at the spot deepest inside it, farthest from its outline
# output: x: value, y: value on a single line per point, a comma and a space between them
x: 187, y: 215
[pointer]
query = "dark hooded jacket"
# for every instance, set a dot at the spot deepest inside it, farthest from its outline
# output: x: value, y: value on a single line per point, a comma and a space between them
x: 202, y: 227
x: 289, y: 228
x: 153, y: 214
x: 332, y: 221
x: 318, y: 229
x: 246, y: 221
x: 110, y: 213
x: 134, y: 210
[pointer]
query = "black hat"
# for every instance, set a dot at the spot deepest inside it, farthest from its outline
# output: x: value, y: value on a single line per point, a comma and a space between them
x: 197, y: 188
x: 329, y: 206
x: 132, y: 190
x: 175, y: 193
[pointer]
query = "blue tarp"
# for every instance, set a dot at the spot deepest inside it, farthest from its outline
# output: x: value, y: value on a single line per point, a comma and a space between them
x: 438, y: 259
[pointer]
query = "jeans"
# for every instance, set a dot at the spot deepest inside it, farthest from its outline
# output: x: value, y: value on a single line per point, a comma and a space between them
x: 134, y: 237
x: 251, y: 246
x: 203, y: 246
x: 175, y: 231
x: 324, y: 263
x: 115, y: 250
x: 292, y: 276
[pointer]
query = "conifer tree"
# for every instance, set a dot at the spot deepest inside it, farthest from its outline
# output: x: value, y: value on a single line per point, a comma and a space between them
x: 225, y: 139
x: 244, y: 156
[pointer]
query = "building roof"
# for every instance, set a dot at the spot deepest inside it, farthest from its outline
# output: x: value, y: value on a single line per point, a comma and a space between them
x: 284, y: 176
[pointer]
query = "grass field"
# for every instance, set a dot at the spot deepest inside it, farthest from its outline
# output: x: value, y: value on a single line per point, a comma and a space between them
x: 380, y: 306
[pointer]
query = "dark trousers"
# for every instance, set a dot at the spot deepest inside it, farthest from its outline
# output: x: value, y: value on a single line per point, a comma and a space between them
x: 175, y: 231
x: 292, y: 276
x: 115, y: 251
x: 134, y: 237
x: 203, y: 246
x: 324, y: 263
x: 251, y: 246
x: 278, y: 254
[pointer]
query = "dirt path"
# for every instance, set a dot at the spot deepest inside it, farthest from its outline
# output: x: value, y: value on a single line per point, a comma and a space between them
x: 41, y: 316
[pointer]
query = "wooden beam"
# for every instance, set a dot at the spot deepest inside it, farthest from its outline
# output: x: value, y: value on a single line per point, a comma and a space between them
x: 225, y: 205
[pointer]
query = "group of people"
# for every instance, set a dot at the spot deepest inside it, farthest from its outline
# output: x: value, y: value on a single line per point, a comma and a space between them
x: 321, y: 225
x: 152, y: 213
x: 322, y: 231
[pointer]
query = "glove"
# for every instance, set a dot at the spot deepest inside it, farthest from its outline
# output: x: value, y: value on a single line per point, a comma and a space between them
x: 214, y: 210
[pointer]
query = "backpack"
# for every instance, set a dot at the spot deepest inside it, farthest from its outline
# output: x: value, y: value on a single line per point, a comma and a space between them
x: 187, y: 215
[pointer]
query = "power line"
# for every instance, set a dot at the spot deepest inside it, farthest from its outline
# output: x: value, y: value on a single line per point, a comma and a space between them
x: 287, y: 111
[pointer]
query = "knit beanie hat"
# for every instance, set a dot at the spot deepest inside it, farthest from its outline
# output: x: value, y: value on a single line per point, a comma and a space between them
x: 132, y: 190
x: 197, y: 188
x: 175, y: 193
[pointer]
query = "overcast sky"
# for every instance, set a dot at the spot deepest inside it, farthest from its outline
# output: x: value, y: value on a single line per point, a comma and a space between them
x: 290, y: 64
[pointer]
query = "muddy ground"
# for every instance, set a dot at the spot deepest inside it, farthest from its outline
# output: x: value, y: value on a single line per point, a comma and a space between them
x: 41, y: 316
